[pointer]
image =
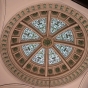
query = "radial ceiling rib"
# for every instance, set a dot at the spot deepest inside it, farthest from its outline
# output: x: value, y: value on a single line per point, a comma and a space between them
x: 61, y: 57
x: 68, y: 44
x: 32, y: 55
x: 26, y: 42
x: 30, y: 27
x: 48, y: 23
x: 65, y: 29
x: 46, y: 62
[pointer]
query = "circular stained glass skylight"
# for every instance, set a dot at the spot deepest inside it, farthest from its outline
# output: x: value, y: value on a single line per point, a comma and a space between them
x: 46, y: 46
x: 47, y: 41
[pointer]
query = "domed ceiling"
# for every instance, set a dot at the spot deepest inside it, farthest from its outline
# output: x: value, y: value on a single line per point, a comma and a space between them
x: 46, y: 44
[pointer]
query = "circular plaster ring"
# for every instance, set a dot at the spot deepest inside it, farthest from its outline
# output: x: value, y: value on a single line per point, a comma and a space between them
x: 47, y: 42
x: 68, y: 14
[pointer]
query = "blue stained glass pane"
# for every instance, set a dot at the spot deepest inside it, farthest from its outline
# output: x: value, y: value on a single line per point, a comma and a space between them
x: 65, y: 50
x: 39, y: 57
x: 56, y: 25
x: 29, y: 48
x: 40, y: 24
x: 53, y: 57
x: 29, y: 34
x: 66, y: 36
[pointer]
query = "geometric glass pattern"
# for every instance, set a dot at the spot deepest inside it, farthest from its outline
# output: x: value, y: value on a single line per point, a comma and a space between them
x: 53, y: 57
x: 56, y: 25
x: 40, y: 24
x: 29, y: 48
x: 29, y: 34
x: 39, y: 57
x: 64, y: 49
x: 66, y: 36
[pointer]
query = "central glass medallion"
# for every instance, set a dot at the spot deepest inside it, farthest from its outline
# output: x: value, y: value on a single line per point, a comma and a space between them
x: 47, y: 42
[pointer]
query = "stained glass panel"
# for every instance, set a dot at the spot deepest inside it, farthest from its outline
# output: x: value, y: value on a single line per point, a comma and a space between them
x: 29, y: 34
x: 29, y: 48
x: 66, y: 36
x: 40, y: 24
x: 56, y: 25
x: 53, y: 57
x: 39, y: 57
x: 65, y: 50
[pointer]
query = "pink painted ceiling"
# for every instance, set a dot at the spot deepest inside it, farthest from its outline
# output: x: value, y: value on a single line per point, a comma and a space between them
x: 11, y: 8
